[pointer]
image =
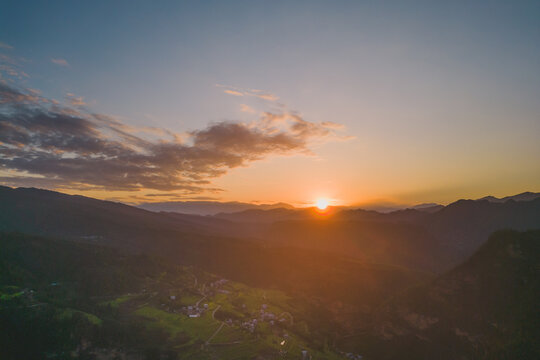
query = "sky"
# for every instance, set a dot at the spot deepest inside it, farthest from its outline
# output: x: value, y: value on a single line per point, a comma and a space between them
x: 267, y: 101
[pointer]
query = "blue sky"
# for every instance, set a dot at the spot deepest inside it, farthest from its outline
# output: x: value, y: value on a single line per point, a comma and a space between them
x: 442, y: 94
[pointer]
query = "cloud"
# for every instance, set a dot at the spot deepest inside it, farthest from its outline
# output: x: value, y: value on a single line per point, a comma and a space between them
x: 261, y: 94
x: 48, y: 145
x: 10, y: 68
x: 3, y: 45
x: 247, y: 109
x: 59, y: 61
x: 332, y: 125
x: 268, y: 97
x: 13, y: 97
x: 75, y: 100
x: 233, y: 92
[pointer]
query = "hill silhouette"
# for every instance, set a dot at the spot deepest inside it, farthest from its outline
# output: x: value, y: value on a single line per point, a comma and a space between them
x: 425, y: 240
x: 421, y: 240
x: 185, y: 240
x: 525, y: 196
x: 208, y: 207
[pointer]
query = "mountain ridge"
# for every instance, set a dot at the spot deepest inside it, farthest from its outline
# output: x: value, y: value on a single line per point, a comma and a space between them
x: 447, y: 235
x: 208, y: 207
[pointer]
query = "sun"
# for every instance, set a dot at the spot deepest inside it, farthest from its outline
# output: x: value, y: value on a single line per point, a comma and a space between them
x: 321, y: 204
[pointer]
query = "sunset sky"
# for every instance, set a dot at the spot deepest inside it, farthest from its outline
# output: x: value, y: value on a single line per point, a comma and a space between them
x: 354, y: 101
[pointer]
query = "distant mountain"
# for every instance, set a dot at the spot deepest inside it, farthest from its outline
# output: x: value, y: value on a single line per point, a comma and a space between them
x: 415, y: 239
x: 205, y: 242
x: 262, y: 215
x: 486, y: 308
x: 466, y: 224
x: 208, y: 207
x: 429, y: 207
x: 433, y: 207
x: 43, y: 212
x: 380, y: 208
x: 278, y: 214
x: 388, y: 208
x: 526, y: 196
x: 425, y: 240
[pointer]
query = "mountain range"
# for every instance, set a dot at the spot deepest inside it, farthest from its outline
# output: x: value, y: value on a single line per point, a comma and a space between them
x: 218, y: 207
x: 431, y: 241
x: 445, y: 282
x: 208, y: 207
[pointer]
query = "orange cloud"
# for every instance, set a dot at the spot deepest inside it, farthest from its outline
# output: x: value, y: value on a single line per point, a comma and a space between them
x: 248, y: 92
x: 247, y: 109
x: 233, y: 92
x: 75, y: 100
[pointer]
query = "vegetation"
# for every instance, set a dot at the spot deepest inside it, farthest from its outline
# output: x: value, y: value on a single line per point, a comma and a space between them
x: 486, y: 308
x: 119, y: 282
x: 70, y: 300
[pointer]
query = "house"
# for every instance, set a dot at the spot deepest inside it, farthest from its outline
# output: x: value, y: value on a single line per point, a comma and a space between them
x: 250, y: 325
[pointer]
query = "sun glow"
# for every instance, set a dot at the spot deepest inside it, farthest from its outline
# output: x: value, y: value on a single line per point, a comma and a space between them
x: 321, y: 204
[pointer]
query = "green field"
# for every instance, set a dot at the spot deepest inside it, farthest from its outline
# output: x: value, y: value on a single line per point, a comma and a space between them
x: 118, y: 301
x: 197, y: 328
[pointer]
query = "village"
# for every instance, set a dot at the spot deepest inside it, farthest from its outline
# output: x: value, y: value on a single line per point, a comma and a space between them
x: 211, y: 289
x: 258, y: 322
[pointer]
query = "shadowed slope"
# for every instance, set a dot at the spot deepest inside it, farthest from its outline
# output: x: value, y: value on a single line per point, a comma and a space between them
x: 486, y: 308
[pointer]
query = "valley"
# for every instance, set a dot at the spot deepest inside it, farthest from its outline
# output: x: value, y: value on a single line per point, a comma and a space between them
x: 124, y: 283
